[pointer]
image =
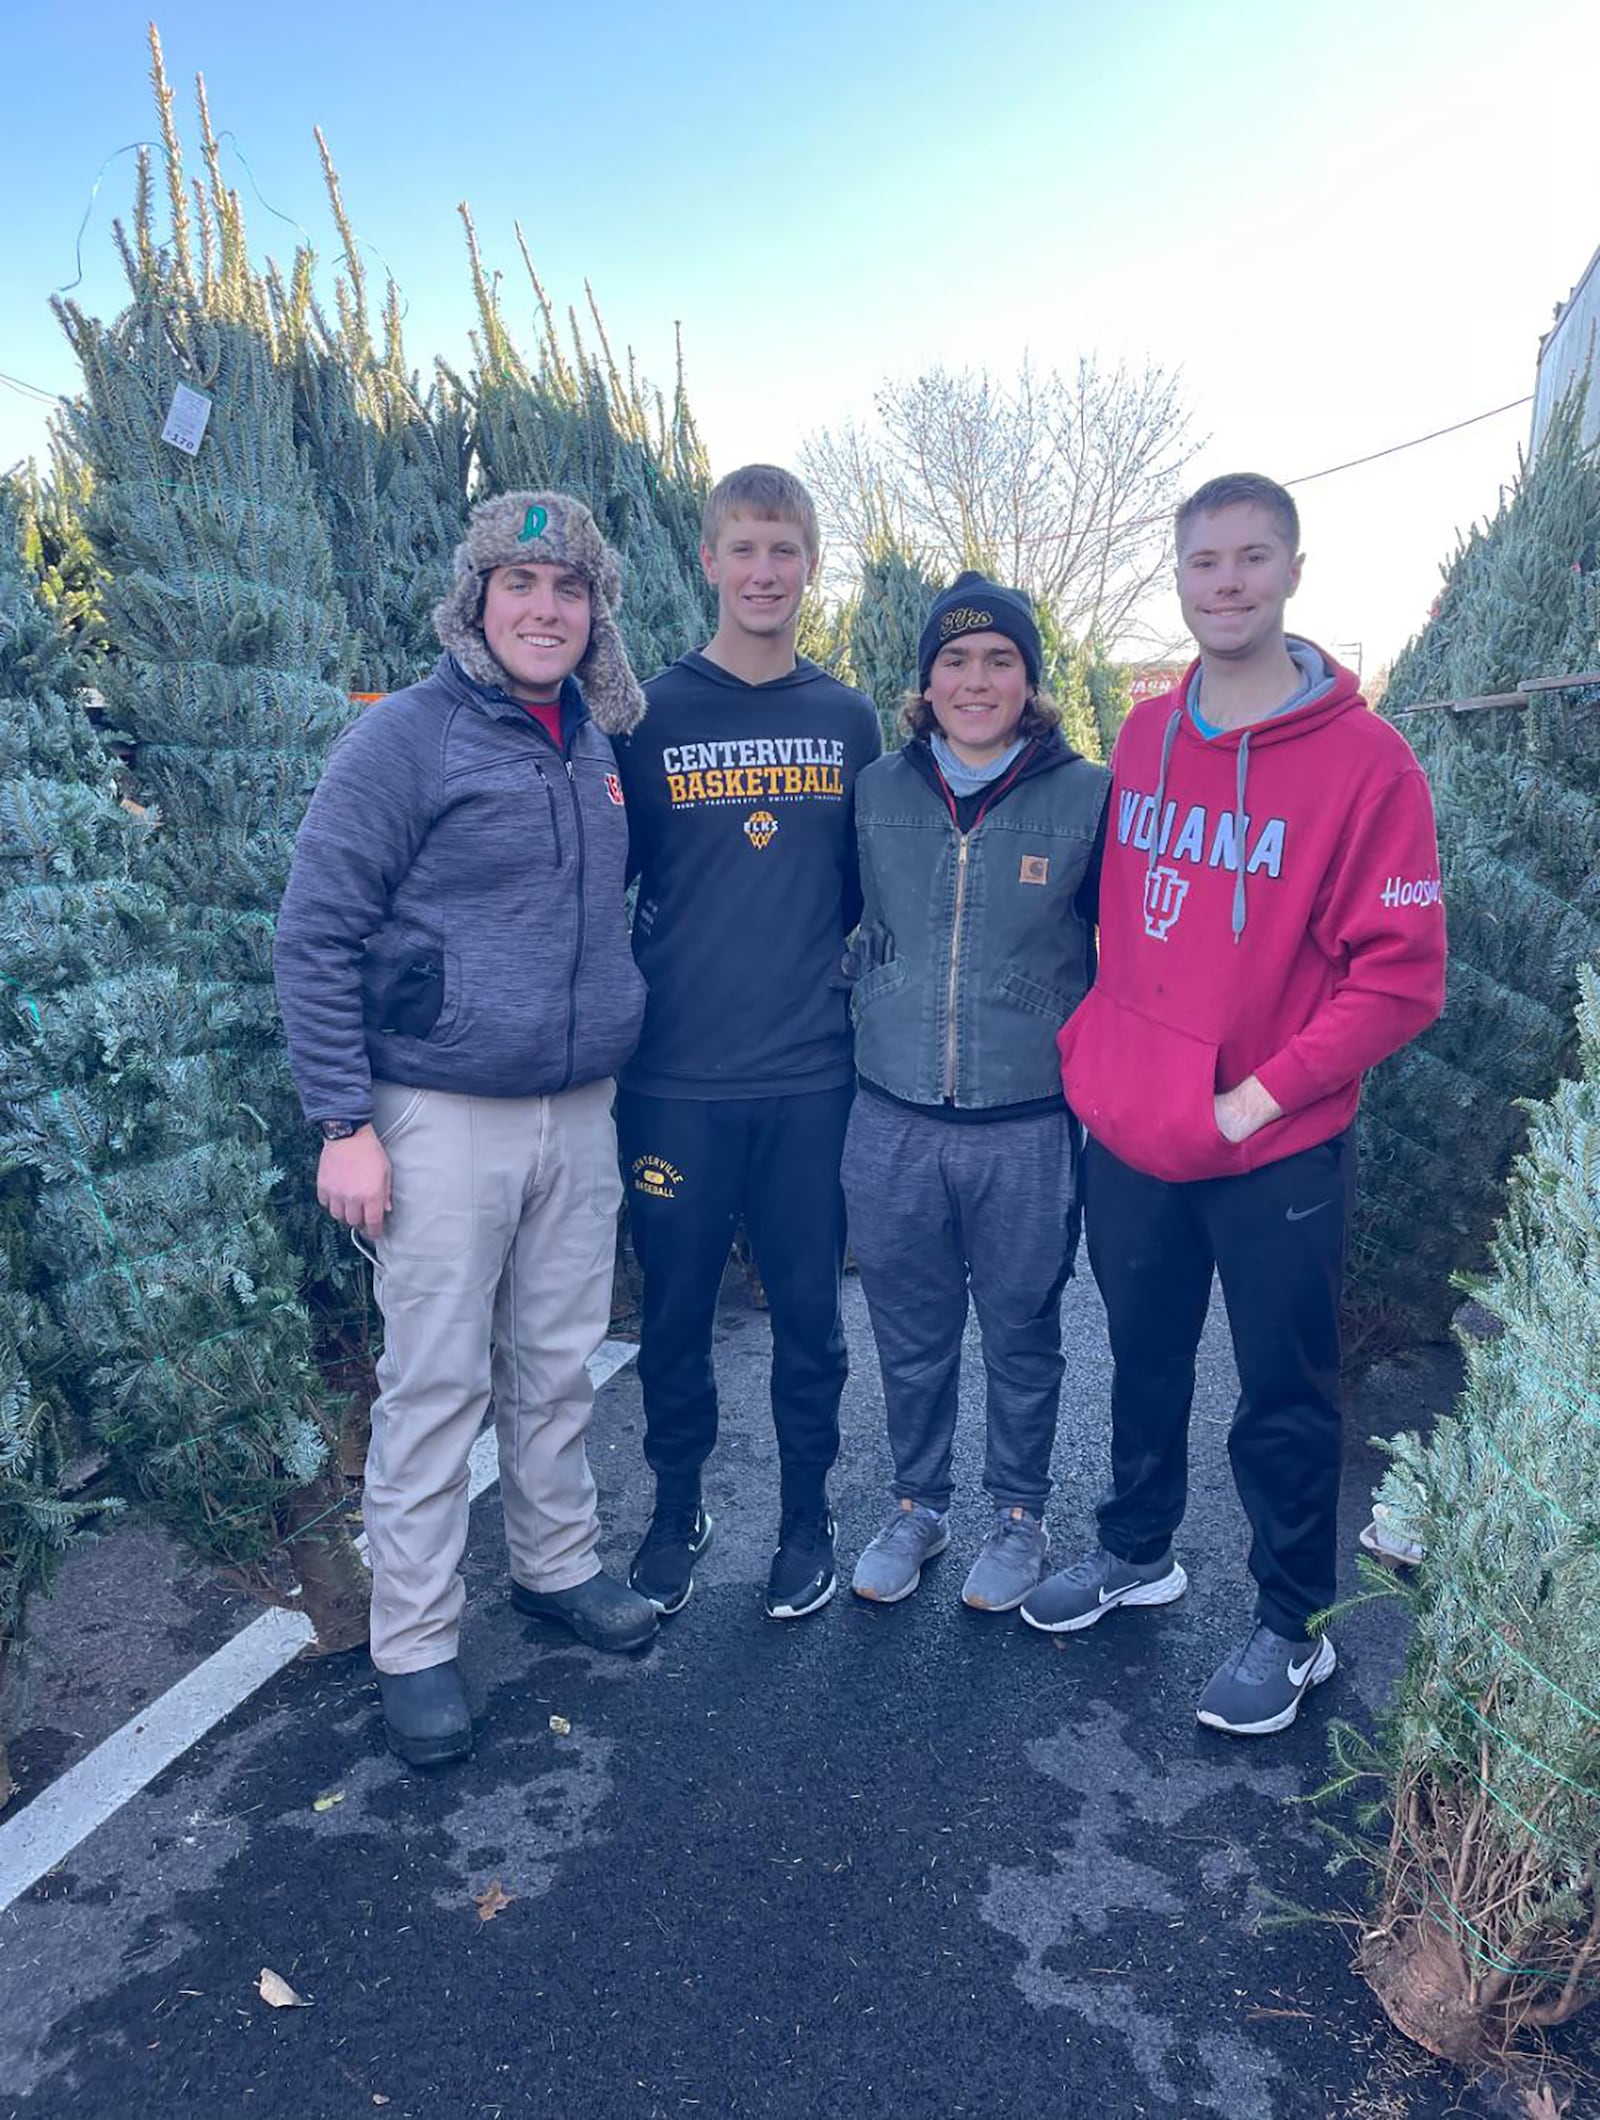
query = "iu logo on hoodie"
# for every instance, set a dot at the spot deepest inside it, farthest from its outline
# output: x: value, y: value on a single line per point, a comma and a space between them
x: 1164, y: 893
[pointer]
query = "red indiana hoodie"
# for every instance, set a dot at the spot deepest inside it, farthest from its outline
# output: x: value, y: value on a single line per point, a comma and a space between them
x: 1269, y: 905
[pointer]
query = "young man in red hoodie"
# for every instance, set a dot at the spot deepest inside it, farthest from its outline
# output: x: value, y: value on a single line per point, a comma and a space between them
x: 1271, y: 927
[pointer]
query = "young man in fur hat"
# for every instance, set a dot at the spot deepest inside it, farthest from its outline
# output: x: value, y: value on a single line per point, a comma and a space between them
x: 740, y: 788
x: 456, y: 981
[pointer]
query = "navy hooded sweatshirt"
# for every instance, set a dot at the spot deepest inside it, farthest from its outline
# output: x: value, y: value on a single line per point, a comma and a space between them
x: 741, y: 818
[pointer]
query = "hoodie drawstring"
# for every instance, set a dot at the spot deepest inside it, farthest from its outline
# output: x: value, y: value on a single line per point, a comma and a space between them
x: 1167, y: 742
x: 1238, y: 834
x: 1239, y: 812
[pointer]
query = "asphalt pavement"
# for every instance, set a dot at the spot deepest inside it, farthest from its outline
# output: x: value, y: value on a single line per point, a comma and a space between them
x: 910, y: 1860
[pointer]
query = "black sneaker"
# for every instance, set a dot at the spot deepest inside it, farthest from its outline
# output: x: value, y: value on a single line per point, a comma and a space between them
x: 1260, y: 1687
x: 801, y: 1578
x: 663, y: 1567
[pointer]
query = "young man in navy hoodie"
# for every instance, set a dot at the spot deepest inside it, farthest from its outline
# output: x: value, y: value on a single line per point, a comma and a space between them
x: 1271, y: 927
x: 740, y: 788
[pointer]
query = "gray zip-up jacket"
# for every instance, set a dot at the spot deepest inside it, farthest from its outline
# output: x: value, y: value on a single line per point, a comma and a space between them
x: 454, y: 917
x: 975, y: 939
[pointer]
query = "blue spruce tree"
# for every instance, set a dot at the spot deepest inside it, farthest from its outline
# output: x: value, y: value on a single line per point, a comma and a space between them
x: 39, y: 1519
x: 153, y: 1304
x: 1518, y: 797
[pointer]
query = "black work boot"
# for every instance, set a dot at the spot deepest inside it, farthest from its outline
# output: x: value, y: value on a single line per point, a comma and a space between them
x: 602, y: 1612
x: 425, y: 1714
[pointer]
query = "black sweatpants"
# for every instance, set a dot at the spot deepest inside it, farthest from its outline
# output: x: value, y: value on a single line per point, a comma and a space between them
x: 692, y: 1167
x: 1276, y: 1236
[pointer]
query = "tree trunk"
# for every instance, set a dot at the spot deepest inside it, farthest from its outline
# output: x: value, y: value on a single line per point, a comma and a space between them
x: 335, y: 1588
x: 1415, y: 1968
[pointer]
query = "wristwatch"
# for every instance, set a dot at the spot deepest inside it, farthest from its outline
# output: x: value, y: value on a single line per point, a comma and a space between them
x: 340, y: 1129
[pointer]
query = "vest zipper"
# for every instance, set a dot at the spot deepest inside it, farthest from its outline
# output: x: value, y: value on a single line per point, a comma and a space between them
x: 962, y: 839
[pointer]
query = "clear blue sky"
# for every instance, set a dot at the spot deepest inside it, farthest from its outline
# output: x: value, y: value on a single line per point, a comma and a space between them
x: 1347, y: 220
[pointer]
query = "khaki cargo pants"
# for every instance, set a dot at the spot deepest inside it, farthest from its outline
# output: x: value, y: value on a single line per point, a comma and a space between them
x: 493, y: 1275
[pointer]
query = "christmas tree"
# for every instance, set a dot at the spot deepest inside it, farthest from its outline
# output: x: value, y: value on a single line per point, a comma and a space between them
x: 153, y: 1304
x: 38, y: 1520
x: 1488, y: 1923
x: 231, y: 642
x: 887, y: 614
x: 57, y: 551
x: 1067, y: 673
x: 581, y: 423
x: 389, y: 463
x: 1518, y: 797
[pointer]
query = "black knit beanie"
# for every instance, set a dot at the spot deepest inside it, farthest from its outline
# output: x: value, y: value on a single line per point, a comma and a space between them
x: 974, y: 604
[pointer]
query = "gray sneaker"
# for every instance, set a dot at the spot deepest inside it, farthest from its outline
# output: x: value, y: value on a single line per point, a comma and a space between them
x: 1260, y: 1687
x: 890, y: 1568
x: 1077, y: 1596
x: 1010, y: 1563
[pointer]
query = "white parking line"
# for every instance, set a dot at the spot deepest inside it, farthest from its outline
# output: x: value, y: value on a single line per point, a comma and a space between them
x: 80, y: 1801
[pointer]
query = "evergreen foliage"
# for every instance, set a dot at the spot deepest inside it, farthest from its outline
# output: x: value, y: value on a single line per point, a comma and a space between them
x: 38, y: 1520
x: 57, y: 551
x: 1065, y: 672
x: 154, y: 1295
x: 586, y: 426
x: 823, y: 634
x: 389, y: 465
x: 232, y: 648
x: 885, y: 620
x: 1110, y: 698
x: 1489, y: 1917
x: 1518, y: 799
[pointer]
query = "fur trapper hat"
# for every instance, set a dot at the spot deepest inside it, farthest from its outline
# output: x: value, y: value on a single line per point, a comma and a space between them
x: 551, y: 529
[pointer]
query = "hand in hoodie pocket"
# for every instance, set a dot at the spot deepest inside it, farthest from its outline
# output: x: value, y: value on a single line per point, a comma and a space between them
x: 1145, y: 1090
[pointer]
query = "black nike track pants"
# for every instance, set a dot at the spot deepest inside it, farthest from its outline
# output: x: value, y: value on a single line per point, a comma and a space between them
x: 1276, y: 1237
x: 692, y: 1168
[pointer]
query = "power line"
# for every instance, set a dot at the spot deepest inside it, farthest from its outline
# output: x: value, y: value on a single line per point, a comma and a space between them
x: 1416, y: 442
x: 45, y: 397
x: 1144, y: 522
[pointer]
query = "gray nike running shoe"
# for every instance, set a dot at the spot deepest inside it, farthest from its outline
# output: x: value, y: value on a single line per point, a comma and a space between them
x: 1261, y: 1685
x: 1076, y: 1597
x: 890, y: 1567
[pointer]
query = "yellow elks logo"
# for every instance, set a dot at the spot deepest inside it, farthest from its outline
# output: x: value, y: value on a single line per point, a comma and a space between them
x: 656, y: 1178
x: 761, y: 828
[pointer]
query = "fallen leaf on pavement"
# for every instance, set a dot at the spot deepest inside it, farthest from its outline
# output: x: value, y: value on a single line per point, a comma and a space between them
x: 561, y: 1726
x: 273, y: 1988
x: 491, y: 1901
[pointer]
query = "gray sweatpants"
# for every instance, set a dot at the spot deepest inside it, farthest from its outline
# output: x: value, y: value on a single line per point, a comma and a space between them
x: 938, y: 1210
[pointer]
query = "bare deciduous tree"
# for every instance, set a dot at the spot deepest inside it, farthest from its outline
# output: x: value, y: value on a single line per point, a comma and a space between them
x: 1063, y: 485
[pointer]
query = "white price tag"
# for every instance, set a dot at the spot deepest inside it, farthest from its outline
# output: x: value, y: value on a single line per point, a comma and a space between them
x: 186, y: 419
